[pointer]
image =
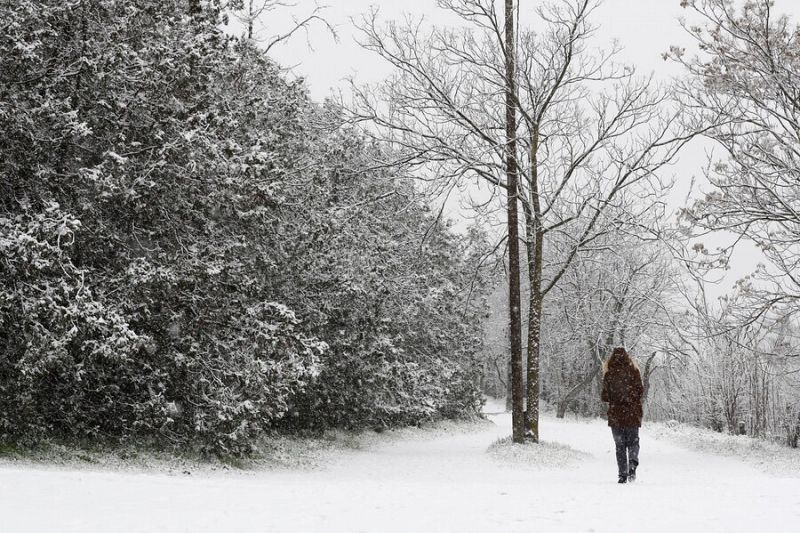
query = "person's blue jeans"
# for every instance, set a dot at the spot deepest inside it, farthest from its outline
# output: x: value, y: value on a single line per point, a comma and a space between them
x: 627, y: 443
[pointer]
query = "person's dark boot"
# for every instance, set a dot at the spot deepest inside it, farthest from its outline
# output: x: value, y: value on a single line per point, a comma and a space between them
x: 622, y: 478
x: 632, y: 472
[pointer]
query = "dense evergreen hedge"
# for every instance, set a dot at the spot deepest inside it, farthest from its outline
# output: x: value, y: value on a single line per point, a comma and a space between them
x: 192, y: 252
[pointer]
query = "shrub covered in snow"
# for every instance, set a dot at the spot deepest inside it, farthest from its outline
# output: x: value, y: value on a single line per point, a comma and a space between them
x: 192, y: 252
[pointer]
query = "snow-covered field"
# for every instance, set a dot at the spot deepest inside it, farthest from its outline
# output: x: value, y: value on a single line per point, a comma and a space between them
x: 437, y: 482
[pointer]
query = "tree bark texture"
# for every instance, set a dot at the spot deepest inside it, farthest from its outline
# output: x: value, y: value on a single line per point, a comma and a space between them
x: 535, y: 250
x: 515, y: 316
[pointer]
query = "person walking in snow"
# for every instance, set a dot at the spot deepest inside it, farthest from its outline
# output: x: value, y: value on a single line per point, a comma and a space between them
x: 623, y: 390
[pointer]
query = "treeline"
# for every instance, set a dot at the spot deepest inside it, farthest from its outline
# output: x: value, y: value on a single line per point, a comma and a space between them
x: 194, y: 253
x: 704, y: 361
x: 733, y: 378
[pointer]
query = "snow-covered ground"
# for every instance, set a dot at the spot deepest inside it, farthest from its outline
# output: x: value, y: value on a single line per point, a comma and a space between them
x: 447, y: 482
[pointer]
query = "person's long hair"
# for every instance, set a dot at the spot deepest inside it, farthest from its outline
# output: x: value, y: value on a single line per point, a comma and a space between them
x: 619, y: 358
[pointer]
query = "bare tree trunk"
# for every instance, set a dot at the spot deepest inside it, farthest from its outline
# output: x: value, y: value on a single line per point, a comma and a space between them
x: 536, y: 233
x: 565, y: 401
x: 250, y: 18
x: 509, y: 391
x: 515, y: 318
x: 648, y: 371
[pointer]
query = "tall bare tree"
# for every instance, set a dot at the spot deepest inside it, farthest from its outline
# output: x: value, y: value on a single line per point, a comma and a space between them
x: 595, y: 131
x: 515, y: 304
x: 590, y: 129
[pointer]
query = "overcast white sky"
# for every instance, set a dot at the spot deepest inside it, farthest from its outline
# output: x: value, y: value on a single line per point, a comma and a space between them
x: 644, y: 28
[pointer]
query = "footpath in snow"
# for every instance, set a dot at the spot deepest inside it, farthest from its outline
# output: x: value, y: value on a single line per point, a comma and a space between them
x: 442, y: 484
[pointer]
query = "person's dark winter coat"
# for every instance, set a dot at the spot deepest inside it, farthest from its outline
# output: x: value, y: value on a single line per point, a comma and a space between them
x: 623, y: 390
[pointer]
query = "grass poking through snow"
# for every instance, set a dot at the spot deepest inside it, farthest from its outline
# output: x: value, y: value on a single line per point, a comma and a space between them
x: 538, y: 455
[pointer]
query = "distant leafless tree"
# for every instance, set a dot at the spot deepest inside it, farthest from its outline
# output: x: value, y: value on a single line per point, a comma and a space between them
x: 620, y: 292
x: 745, y: 84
